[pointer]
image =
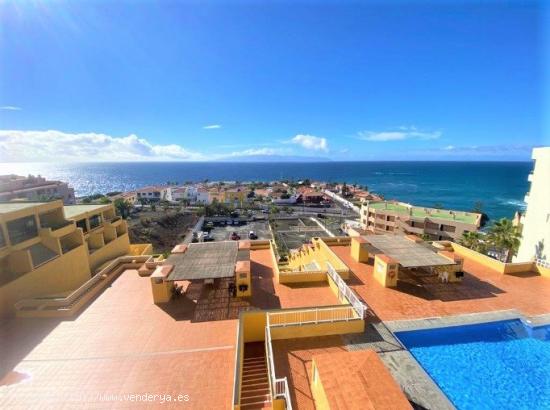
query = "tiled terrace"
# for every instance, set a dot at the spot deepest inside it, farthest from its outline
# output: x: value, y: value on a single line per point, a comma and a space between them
x: 481, y: 290
x: 268, y: 294
x: 122, y: 343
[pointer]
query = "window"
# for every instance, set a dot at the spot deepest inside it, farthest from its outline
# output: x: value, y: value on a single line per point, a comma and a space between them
x: 22, y: 229
x: 82, y: 224
x: 2, y: 240
x: 95, y: 221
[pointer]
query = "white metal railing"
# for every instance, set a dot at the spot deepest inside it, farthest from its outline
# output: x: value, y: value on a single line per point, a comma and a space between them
x: 344, y: 289
x: 311, y: 316
x: 542, y: 262
x: 277, y: 387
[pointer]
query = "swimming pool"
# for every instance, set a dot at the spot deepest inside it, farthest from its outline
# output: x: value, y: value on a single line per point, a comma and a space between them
x: 497, y: 365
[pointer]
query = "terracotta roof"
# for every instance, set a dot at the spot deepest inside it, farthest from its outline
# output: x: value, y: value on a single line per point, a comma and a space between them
x: 358, y: 380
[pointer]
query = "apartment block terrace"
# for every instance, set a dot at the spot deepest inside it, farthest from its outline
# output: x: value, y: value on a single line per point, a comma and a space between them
x: 228, y: 325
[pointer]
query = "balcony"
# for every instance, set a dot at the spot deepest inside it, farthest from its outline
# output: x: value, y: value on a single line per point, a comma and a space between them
x: 58, y: 229
x: 21, y: 230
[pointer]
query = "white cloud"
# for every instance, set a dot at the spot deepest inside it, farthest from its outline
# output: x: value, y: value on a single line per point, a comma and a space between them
x: 403, y: 133
x: 212, y: 127
x: 10, y: 108
x: 257, y: 151
x: 52, y: 145
x: 311, y: 142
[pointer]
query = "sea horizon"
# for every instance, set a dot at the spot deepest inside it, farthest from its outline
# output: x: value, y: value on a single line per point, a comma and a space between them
x: 499, y: 185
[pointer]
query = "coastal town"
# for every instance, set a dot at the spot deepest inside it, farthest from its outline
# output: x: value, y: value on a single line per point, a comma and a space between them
x: 284, y: 294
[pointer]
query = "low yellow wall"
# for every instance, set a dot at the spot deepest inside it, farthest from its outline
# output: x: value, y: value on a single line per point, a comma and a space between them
x: 491, y: 263
x: 302, y: 277
x: 64, y: 273
x: 319, y: 329
x: 318, y: 391
x: 138, y: 249
x: 543, y: 271
x: 119, y: 247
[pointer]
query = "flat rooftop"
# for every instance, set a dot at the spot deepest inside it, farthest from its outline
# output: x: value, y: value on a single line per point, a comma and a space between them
x: 8, y: 207
x: 481, y: 290
x: 122, y: 343
x: 407, y: 253
x: 359, y: 379
x: 424, y: 212
x: 72, y: 211
x: 207, y: 260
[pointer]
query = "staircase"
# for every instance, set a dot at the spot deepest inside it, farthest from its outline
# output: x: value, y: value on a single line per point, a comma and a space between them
x: 255, y: 381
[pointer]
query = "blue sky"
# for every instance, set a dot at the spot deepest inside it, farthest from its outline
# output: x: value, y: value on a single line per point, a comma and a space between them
x: 399, y: 80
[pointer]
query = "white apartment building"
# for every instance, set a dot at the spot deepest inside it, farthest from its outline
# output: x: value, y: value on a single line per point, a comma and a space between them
x: 152, y: 193
x: 34, y: 188
x: 535, y: 241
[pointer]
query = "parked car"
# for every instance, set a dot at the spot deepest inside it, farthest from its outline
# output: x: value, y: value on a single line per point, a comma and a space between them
x: 236, y: 222
x: 206, y: 237
x: 235, y: 236
x: 252, y: 235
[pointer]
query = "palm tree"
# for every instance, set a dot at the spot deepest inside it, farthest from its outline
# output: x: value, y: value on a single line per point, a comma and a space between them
x: 123, y: 207
x: 472, y: 240
x: 504, y: 236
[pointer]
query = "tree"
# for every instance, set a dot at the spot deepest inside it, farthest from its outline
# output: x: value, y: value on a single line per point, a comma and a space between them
x: 123, y: 207
x: 473, y: 240
x: 504, y: 236
x: 273, y: 210
x: 104, y: 200
x: 165, y: 205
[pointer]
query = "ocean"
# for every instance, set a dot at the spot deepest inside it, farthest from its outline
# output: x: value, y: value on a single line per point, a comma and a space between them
x: 500, y: 186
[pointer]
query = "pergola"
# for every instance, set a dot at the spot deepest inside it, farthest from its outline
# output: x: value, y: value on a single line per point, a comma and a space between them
x: 209, y: 260
x: 407, y: 253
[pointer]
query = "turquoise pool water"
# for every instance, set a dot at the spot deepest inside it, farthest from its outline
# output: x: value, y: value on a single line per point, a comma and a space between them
x: 497, y: 365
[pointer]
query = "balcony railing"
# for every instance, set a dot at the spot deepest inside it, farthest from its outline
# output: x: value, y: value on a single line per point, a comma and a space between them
x: 312, y: 316
x: 277, y: 387
x: 345, y: 290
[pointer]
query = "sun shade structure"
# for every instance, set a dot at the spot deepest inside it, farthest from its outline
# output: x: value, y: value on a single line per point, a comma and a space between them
x: 208, y: 260
x: 407, y: 253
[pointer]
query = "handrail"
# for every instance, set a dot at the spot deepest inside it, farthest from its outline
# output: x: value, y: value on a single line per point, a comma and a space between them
x: 343, y: 288
x: 311, y: 316
x: 277, y: 387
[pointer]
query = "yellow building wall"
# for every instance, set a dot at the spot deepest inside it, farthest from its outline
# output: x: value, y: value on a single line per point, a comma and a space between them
x: 383, y: 274
x: 359, y: 253
x: 62, y: 274
x: 253, y: 324
x: 318, y: 391
x: 119, y: 247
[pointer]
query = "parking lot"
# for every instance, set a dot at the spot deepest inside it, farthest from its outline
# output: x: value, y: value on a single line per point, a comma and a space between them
x: 223, y: 233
